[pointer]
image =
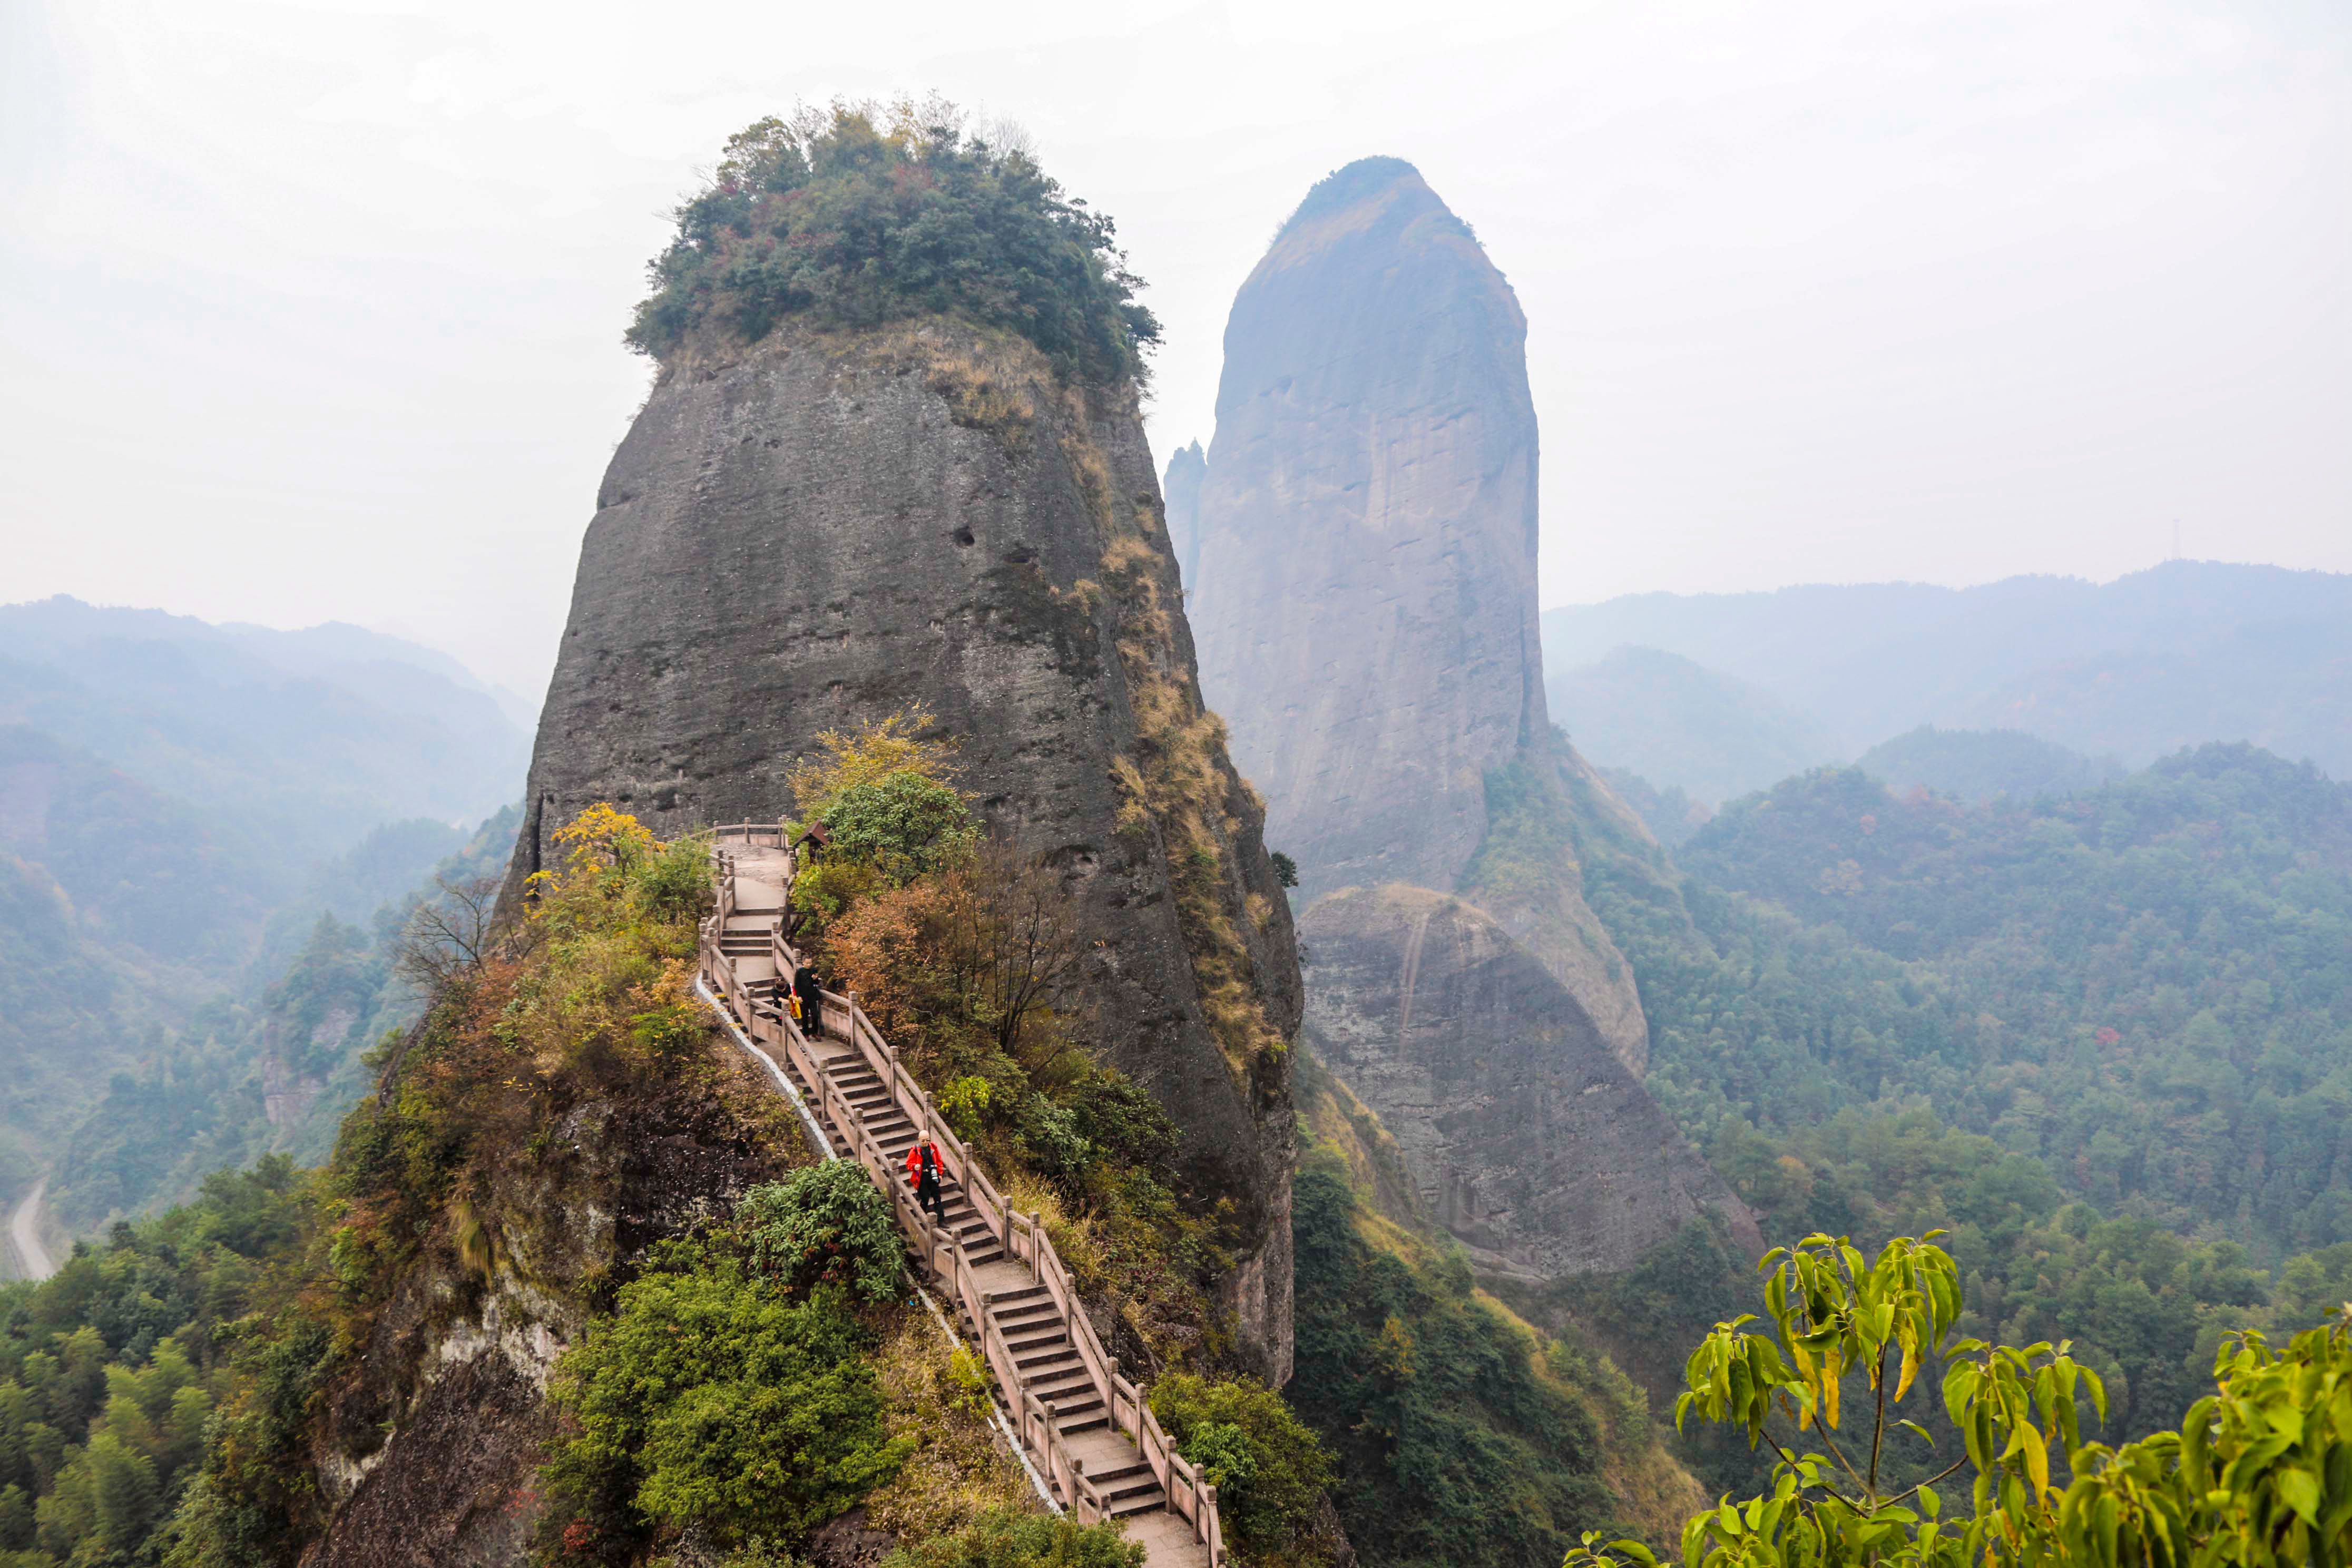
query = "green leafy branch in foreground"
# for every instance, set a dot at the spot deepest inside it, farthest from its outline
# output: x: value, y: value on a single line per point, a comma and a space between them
x: 2260, y: 1472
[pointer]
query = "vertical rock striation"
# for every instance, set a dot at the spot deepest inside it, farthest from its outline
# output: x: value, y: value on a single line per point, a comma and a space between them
x: 1365, y: 603
x: 826, y: 527
x: 1365, y: 606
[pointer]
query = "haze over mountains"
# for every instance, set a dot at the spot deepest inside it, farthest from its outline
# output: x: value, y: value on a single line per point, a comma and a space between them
x: 180, y: 805
x: 2182, y: 654
x: 1374, y: 1026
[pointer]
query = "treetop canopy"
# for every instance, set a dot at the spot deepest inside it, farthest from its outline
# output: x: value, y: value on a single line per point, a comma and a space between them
x: 856, y: 214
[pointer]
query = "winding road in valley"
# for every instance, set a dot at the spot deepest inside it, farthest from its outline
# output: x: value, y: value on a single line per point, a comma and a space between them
x: 33, y: 1260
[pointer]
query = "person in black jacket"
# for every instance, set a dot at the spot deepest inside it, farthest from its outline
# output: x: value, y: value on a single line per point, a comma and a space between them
x: 810, y: 991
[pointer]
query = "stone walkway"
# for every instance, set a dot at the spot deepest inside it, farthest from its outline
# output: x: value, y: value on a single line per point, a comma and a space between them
x: 1020, y: 1308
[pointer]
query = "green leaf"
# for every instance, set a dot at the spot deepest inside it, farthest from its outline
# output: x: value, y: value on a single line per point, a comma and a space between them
x: 2037, y: 1459
x: 2299, y: 1489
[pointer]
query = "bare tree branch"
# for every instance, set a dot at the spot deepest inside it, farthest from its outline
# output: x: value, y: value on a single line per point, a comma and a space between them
x: 449, y: 937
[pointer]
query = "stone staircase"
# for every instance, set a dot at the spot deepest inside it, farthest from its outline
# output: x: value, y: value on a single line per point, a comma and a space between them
x: 1088, y: 1430
x: 1024, y: 1314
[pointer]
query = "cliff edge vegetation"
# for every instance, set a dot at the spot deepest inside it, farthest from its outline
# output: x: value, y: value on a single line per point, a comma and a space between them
x: 861, y: 213
x: 571, y: 1289
x: 1463, y: 1434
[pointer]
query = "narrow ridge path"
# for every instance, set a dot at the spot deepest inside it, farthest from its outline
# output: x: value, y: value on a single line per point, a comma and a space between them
x: 33, y: 1259
x: 1088, y: 1430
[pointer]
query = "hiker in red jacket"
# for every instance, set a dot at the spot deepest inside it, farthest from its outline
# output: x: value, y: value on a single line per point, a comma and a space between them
x: 923, y: 1168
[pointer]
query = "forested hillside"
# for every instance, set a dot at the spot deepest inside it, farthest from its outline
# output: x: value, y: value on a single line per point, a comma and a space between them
x: 1974, y: 765
x: 274, y: 1068
x: 2105, y: 1040
x: 2148, y: 987
x: 1464, y: 1435
x: 118, y: 904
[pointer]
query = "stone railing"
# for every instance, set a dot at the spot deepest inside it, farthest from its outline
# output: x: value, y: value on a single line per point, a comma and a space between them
x: 1023, y: 1236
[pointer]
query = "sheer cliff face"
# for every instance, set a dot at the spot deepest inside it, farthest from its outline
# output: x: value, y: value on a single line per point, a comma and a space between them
x: 1527, y: 1139
x: 1365, y: 602
x: 829, y: 527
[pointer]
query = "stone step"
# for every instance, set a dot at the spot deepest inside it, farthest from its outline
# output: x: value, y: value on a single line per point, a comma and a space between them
x: 1028, y: 1315
x: 1123, y: 1476
x: 1147, y: 1485
x: 1043, y: 1360
x: 1060, y: 1385
x: 1073, y: 1416
x: 1151, y: 1503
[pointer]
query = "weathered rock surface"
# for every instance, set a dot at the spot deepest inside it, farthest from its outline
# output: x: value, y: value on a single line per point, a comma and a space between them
x: 827, y: 528
x: 1365, y: 603
x: 427, y: 1451
x: 1527, y: 1139
x: 1365, y: 599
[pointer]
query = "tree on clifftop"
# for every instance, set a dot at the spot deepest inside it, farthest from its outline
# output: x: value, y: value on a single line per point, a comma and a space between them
x: 856, y: 214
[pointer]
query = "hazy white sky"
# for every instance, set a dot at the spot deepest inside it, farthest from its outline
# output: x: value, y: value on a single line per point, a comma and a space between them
x: 313, y: 311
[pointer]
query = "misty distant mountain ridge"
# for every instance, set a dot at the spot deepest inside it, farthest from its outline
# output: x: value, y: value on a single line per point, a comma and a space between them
x: 296, y: 743
x: 180, y: 802
x: 40, y: 629
x: 2180, y: 655
x: 1679, y: 724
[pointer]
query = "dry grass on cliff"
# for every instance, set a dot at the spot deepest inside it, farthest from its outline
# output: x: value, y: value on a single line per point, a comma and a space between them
x: 935, y: 1396
x: 991, y: 381
x: 1182, y: 781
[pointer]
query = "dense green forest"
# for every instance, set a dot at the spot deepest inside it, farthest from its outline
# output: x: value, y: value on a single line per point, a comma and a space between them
x: 2105, y: 1040
x: 114, y: 1371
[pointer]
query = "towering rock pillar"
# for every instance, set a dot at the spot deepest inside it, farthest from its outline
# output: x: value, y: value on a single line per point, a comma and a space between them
x: 1365, y: 602
x: 1365, y: 606
x: 823, y: 528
